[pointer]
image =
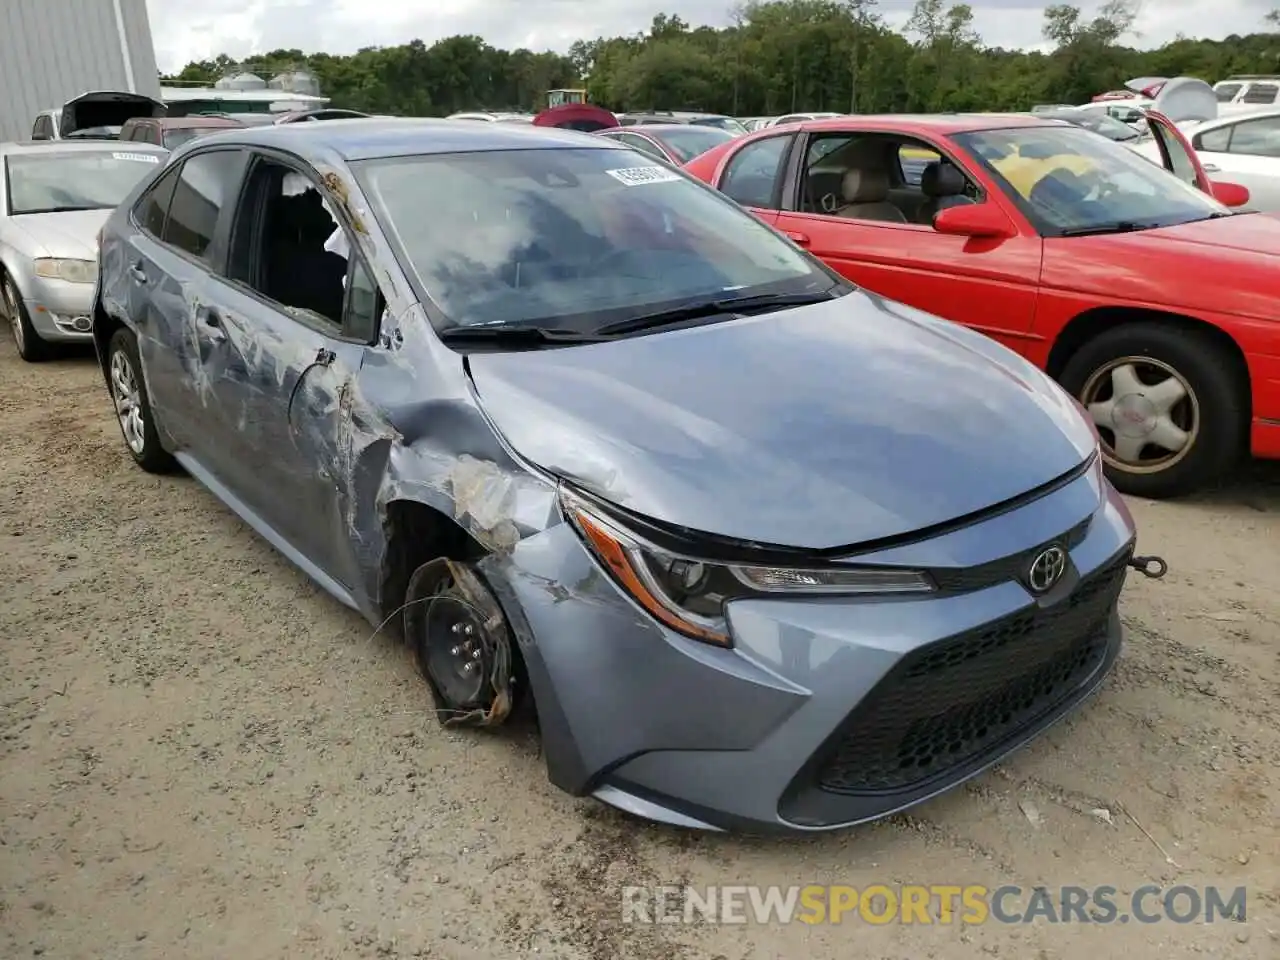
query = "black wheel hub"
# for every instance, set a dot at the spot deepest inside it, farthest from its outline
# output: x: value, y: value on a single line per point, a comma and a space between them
x: 459, y: 657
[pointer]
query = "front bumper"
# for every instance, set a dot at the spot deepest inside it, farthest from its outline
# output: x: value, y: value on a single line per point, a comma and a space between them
x: 63, y: 314
x: 829, y: 711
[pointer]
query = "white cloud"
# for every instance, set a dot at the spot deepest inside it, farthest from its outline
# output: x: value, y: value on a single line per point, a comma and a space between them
x: 186, y: 31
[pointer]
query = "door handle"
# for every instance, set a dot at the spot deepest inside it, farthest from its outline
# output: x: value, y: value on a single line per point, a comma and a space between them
x: 211, y: 320
x: 800, y: 239
x: 139, y: 275
x: 1211, y: 168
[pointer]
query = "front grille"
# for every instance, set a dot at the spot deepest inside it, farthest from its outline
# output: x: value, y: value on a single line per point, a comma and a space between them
x: 1012, y: 567
x: 947, y: 704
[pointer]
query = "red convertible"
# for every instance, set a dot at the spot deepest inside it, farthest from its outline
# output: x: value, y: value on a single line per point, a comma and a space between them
x: 1141, y: 292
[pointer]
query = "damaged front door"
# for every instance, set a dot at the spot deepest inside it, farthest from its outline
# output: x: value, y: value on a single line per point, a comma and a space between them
x: 285, y: 314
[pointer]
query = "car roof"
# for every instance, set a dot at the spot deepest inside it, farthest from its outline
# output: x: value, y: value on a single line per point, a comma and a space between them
x: 369, y: 139
x: 651, y: 128
x: 943, y: 123
x: 73, y: 145
x: 1222, y: 119
x: 193, y: 120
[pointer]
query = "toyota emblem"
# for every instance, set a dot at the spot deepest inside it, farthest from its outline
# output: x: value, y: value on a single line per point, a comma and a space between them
x: 1047, y: 569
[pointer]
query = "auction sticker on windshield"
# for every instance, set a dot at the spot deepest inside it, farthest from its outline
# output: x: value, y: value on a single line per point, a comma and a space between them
x: 635, y: 176
x: 141, y: 157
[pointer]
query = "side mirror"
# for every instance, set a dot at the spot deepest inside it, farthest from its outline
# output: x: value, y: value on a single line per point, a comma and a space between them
x: 979, y: 220
x: 1229, y: 194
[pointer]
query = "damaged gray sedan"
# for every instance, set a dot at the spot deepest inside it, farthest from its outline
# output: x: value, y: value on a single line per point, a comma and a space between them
x: 760, y: 549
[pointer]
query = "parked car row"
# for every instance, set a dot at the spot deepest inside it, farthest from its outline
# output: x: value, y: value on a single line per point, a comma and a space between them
x: 529, y: 395
x: 117, y: 115
x: 56, y: 192
x: 759, y: 123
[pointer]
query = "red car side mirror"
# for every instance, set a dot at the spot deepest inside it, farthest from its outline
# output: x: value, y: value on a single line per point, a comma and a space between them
x: 979, y: 220
x: 1229, y: 194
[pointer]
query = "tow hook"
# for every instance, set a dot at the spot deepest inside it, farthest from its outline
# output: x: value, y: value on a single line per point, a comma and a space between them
x: 1152, y: 568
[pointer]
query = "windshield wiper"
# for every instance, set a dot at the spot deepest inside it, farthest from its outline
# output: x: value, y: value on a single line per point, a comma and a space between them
x: 514, y: 335
x: 723, y: 306
x: 1118, y: 226
x: 63, y: 209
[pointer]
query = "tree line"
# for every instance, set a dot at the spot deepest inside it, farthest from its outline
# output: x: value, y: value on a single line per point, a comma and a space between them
x: 776, y: 57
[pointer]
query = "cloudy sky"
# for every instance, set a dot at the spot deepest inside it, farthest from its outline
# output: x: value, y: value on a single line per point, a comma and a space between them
x: 186, y: 31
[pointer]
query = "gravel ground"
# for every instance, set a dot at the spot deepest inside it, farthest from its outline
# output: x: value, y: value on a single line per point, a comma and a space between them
x: 203, y: 756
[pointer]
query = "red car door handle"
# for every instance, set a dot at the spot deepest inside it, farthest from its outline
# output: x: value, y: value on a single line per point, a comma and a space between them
x: 798, y: 238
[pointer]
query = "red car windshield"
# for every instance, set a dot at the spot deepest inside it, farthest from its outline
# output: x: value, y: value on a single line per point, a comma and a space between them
x: 1070, y: 180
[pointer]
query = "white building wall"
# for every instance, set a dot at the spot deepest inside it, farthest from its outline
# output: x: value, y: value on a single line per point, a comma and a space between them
x: 53, y: 50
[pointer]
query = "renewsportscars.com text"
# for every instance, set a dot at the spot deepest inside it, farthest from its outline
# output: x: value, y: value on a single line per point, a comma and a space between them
x: 931, y: 904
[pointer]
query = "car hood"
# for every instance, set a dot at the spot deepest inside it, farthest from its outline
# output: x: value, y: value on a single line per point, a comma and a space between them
x: 72, y: 235
x: 1175, y: 267
x: 818, y: 427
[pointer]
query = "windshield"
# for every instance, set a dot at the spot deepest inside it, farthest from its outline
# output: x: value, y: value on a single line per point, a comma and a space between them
x: 572, y: 239
x: 1098, y: 122
x: 45, y: 182
x: 720, y: 123
x: 688, y: 142
x: 1226, y: 91
x: 1067, y: 179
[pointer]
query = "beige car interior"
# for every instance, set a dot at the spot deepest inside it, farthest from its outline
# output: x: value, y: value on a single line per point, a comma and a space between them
x: 864, y: 179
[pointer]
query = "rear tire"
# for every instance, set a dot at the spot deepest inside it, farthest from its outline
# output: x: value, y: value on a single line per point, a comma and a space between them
x: 31, y: 347
x: 1149, y: 386
x: 132, y: 406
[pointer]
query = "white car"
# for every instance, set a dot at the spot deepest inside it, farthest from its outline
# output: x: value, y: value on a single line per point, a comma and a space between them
x: 1238, y: 148
x: 804, y: 117
x: 1244, y: 149
x: 1247, y: 94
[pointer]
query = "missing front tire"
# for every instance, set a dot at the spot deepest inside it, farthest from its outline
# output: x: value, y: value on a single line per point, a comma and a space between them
x: 462, y: 643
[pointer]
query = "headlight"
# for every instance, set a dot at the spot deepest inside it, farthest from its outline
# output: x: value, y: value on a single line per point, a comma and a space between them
x: 689, y: 595
x: 72, y: 271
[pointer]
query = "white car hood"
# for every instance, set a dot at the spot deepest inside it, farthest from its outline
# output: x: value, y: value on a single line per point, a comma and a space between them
x: 72, y: 235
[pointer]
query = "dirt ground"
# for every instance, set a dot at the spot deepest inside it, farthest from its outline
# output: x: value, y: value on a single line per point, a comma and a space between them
x: 203, y: 756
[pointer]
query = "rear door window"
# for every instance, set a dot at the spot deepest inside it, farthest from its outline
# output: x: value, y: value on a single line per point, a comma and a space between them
x: 204, y: 186
x: 1256, y: 138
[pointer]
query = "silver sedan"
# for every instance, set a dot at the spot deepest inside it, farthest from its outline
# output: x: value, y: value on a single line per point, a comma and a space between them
x: 54, y: 198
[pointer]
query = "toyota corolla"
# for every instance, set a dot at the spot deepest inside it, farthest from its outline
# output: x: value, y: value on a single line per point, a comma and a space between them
x: 759, y: 548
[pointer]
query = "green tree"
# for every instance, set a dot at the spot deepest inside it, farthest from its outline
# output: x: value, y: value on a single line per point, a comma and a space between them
x: 775, y: 56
